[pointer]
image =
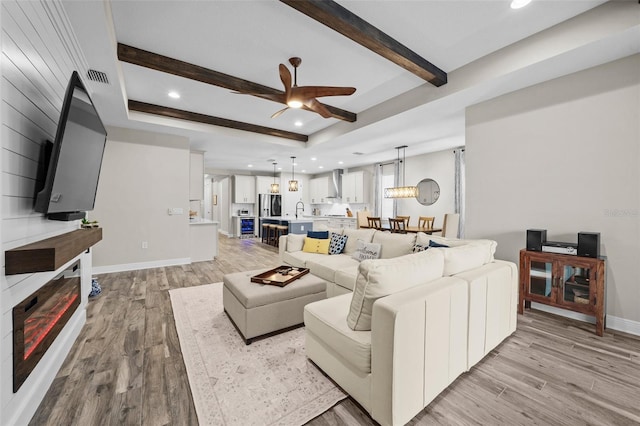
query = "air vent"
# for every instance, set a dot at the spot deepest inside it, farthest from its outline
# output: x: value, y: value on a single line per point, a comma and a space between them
x: 98, y: 76
x: 358, y: 153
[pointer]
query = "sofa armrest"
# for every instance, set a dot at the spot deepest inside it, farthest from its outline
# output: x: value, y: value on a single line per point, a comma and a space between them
x: 418, y: 347
x: 282, y: 247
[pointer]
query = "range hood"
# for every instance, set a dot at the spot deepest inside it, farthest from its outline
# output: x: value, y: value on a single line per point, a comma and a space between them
x: 335, y: 184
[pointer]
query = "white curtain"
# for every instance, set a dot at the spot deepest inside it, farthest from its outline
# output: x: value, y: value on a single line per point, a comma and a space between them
x: 459, y: 191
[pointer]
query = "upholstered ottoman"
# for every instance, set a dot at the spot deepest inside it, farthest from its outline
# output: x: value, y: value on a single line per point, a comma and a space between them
x: 258, y: 309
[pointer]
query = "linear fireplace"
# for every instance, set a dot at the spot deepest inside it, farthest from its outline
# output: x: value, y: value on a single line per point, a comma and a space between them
x: 39, y: 318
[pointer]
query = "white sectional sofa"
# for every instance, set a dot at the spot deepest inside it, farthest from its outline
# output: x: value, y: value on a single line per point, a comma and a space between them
x: 415, y: 321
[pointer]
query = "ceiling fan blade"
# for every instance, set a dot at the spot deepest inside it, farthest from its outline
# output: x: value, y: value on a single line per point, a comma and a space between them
x: 316, y: 106
x: 279, y: 113
x: 285, y: 77
x: 320, y: 91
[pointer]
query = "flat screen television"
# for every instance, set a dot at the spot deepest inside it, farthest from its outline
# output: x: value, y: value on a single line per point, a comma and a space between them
x: 76, y: 157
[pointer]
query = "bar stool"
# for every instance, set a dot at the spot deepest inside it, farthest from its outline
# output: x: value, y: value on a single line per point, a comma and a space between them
x: 280, y: 230
x: 271, y: 234
x: 265, y: 233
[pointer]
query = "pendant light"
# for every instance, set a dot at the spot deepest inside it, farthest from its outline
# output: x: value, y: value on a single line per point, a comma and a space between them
x: 275, y: 188
x: 401, y: 191
x: 293, y: 183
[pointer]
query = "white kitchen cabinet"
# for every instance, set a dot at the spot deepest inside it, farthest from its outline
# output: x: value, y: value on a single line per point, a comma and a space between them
x: 320, y: 190
x: 196, y: 176
x: 244, y: 189
x: 343, y: 223
x: 356, y: 187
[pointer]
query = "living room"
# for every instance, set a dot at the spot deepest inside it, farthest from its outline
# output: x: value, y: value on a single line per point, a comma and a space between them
x: 554, y: 146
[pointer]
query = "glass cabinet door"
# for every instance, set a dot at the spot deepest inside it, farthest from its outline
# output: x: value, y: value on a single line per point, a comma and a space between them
x: 575, y: 281
x: 540, y: 278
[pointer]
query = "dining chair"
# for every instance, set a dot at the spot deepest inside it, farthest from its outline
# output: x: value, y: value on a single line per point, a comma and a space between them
x: 374, y: 222
x: 406, y: 220
x: 450, y: 225
x: 398, y: 225
x: 426, y: 222
x: 362, y: 216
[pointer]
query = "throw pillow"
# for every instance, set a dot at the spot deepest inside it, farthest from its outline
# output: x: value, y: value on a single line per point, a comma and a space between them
x: 419, y: 247
x: 316, y: 245
x: 380, y: 278
x: 322, y: 235
x: 366, y: 251
x: 295, y: 242
x: 434, y: 244
x: 337, y: 243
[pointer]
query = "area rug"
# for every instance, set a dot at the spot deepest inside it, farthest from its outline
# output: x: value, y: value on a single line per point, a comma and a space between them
x: 270, y: 382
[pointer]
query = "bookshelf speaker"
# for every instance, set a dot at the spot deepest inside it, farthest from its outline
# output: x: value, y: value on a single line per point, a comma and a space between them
x: 535, y: 239
x: 589, y: 244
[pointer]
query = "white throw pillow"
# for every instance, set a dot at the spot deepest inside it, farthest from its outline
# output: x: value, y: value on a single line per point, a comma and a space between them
x: 379, y: 278
x: 366, y: 251
x: 354, y: 235
x: 462, y: 258
x: 295, y: 242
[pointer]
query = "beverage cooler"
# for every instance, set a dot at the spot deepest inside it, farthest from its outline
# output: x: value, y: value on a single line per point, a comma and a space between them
x: 247, y: 227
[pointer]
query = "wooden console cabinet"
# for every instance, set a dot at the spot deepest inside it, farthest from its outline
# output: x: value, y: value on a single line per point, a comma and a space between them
x: 564, y: 281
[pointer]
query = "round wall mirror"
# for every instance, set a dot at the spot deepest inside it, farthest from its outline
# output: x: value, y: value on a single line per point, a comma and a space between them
x: 428, y: 192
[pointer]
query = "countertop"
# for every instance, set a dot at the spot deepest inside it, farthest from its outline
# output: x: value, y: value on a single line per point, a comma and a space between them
x: 330, y: 217
x: 201, y: 221
x: 289, y: 219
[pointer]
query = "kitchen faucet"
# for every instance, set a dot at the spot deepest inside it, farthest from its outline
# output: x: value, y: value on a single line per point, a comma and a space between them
x: 298, y: 203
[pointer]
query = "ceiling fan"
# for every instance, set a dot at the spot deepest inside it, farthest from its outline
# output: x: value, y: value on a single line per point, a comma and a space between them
x: 304, y: 96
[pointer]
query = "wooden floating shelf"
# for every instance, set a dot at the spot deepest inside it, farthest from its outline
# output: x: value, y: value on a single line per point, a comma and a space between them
x: 50, y: 254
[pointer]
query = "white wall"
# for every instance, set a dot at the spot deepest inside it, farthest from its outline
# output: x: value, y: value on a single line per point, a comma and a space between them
x: 563, y: 156
x: 39, y: 55
x: 439, y: 166
x: 143, y: 175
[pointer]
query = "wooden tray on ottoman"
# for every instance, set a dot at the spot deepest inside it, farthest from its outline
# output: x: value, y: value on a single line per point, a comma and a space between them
x: 280, y: 276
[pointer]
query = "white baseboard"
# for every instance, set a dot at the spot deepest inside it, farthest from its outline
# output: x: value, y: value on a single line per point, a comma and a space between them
x: 614, y: 323
x: 141, y: 265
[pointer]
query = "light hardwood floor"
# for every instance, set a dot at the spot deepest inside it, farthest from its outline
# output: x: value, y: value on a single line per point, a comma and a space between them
x: 126, y: 367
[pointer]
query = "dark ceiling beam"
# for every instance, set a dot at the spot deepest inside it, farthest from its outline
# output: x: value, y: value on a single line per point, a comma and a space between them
x: 336, y: 17
x: 215, y: 121
x: 157, y: 62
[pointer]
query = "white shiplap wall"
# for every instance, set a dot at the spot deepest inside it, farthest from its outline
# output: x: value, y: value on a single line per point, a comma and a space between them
x: 39, y: 54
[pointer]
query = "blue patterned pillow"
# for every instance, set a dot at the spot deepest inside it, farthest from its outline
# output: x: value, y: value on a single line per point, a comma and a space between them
x: 337, y: 243
x: 419, y: 247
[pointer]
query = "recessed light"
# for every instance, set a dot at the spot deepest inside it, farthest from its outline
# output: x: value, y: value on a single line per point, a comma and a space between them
x: 313, y: 158
x: 517, y: 4
x: 303, y: 171
x: 279, y: 168
x: 298, y: 123
x: 250, y: 165
x: 174, y: 95
x: 321, y: 167
x: 340, y: 162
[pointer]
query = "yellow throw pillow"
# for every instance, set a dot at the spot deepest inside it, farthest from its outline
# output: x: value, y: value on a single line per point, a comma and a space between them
x: 315, y: 245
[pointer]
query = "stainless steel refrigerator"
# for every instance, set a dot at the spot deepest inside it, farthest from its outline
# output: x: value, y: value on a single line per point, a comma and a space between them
x: 269, y: 205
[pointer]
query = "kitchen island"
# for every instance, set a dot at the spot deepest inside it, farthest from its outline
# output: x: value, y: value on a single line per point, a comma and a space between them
x: 295, y: 226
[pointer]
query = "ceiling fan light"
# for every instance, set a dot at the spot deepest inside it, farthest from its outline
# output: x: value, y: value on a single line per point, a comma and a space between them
x: 294, y: 103
x: 517, y: 4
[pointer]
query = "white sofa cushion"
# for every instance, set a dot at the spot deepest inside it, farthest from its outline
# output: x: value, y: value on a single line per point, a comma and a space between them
x: 299, y: 258
x: 346, y: 277
x: 326, y: 266
x: 295, y: 242
x: 381, y: 277
x: 354, y: 235
x: 326, y: 320
x: 394, y: 245
x: 462, y: 258
x: 489, y: 245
